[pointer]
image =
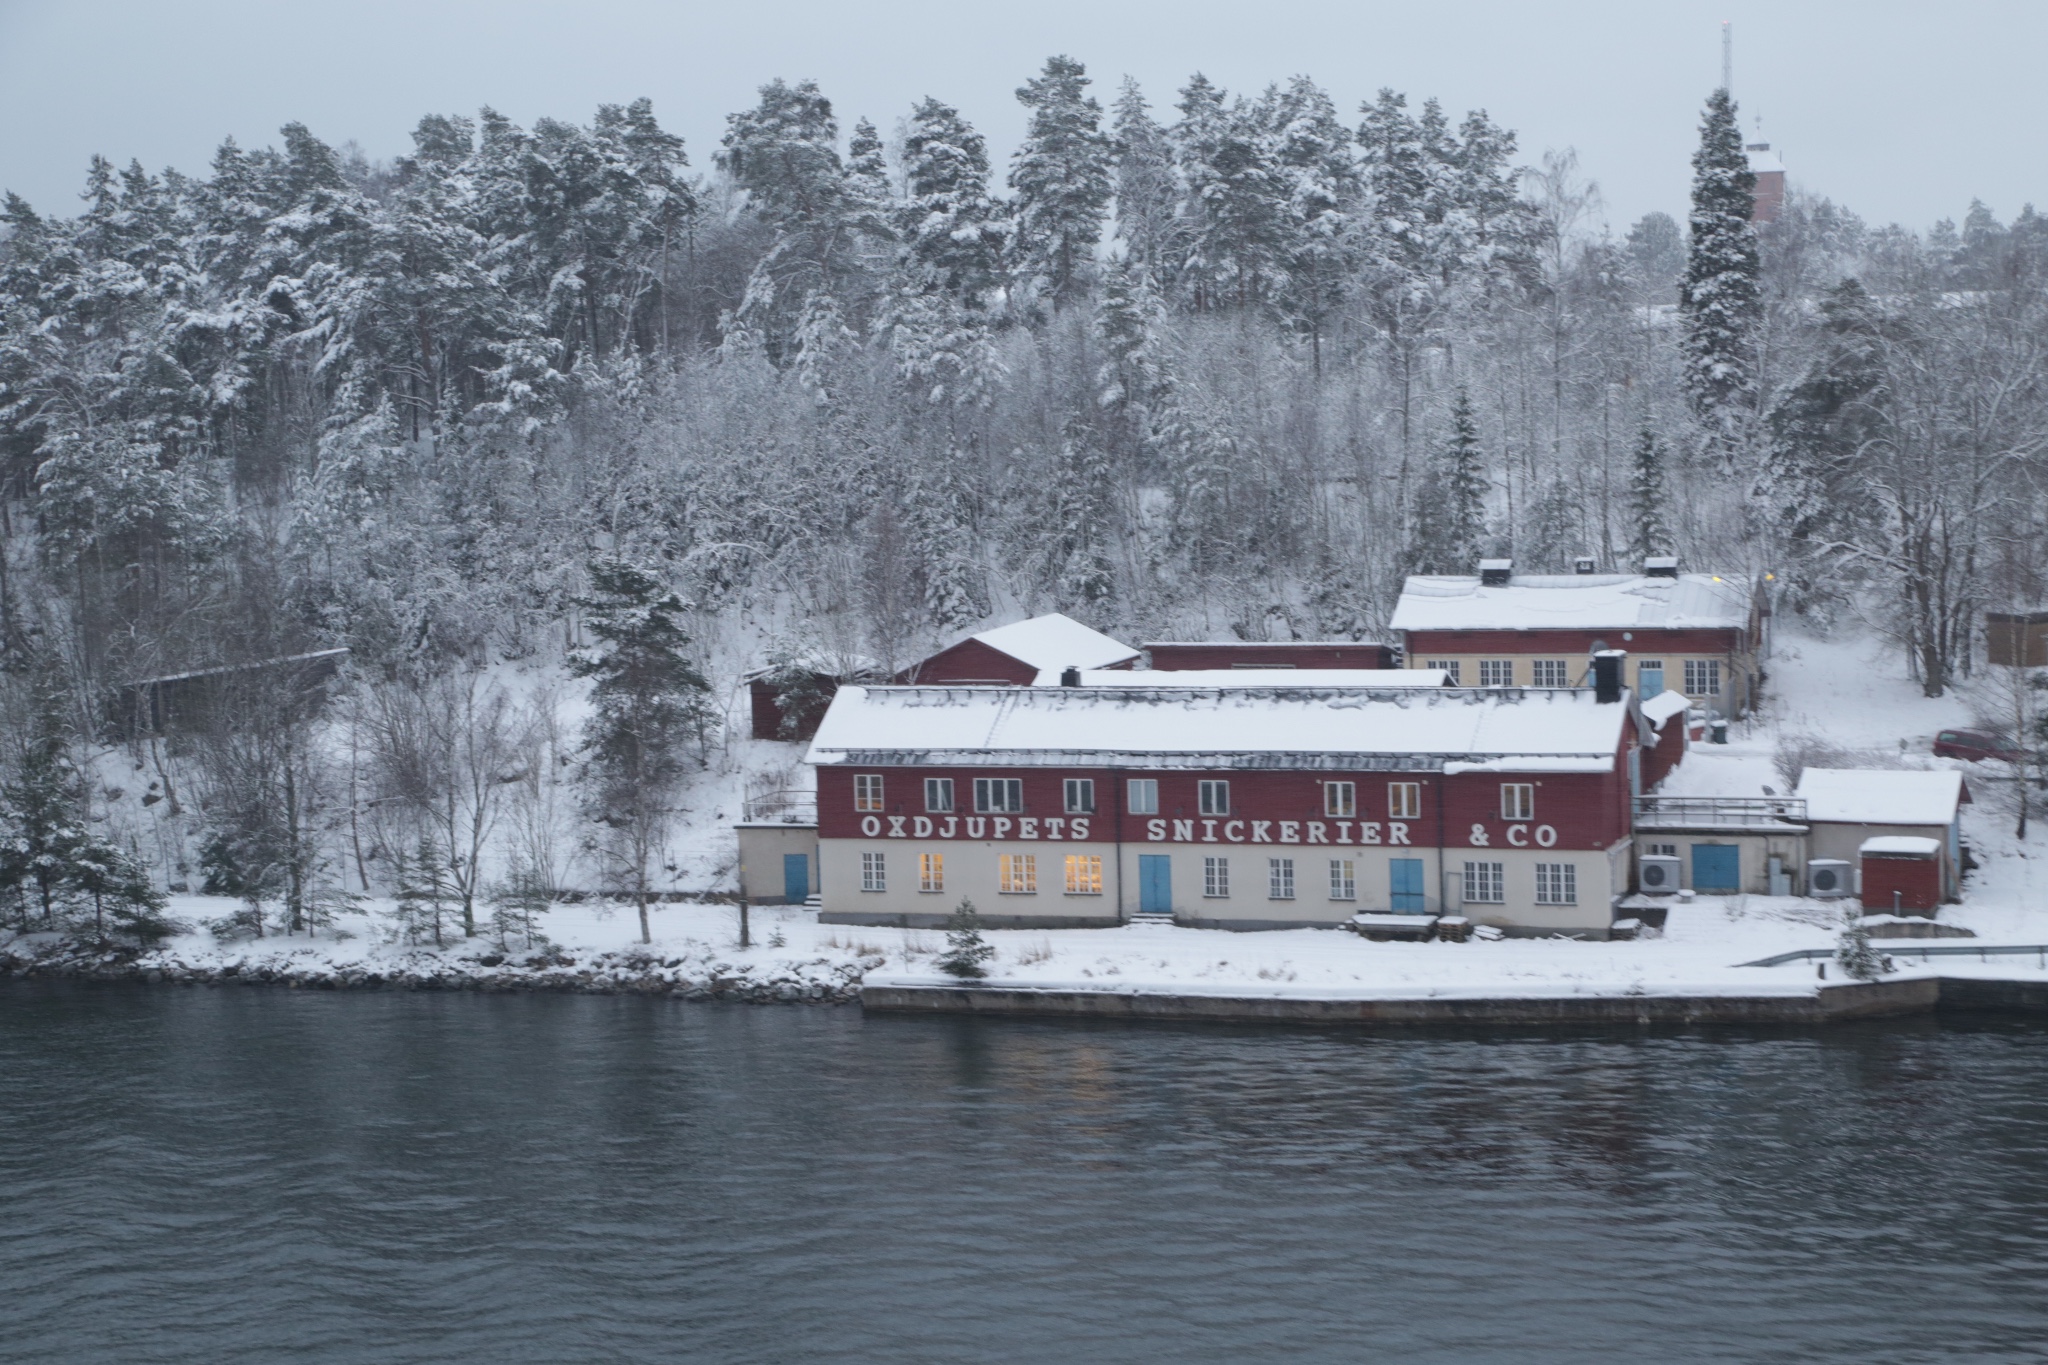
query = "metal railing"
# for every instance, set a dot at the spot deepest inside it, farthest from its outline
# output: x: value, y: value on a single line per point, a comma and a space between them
x: 787, y: 807
x: 1681, y: 812
x: 1983, y: 952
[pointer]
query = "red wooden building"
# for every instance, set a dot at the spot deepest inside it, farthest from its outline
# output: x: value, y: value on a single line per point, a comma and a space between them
x: 1177, y: 655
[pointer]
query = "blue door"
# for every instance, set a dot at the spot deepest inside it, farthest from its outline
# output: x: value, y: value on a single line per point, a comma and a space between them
x: 796, y: 877
x: 1716, y: 867
x: 1649, y: 682
x: 1155, y: 884
x: 1407, y: 885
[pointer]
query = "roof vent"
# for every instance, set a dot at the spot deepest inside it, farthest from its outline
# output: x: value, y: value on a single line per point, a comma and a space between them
x: 1661, y: 566
x: 1583, y: 564
x: 1494, y: 573
x: 1070, y: 677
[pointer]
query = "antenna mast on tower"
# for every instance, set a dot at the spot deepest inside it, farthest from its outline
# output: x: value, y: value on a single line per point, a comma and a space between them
x: 1727, y: 58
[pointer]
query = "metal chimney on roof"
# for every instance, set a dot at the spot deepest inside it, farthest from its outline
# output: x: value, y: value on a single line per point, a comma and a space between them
x: 1070, y: 677
x: 1661, y: 566
x: 1583, y: 564
x: 1607, y: 675
x: 1495, y: 573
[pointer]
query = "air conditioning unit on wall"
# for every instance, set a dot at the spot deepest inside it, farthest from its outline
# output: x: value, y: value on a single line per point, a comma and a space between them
x: 1657, y: 874
x: 1829, y: 879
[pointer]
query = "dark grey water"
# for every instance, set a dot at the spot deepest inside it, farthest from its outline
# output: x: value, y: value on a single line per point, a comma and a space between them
x: 249, y: 1175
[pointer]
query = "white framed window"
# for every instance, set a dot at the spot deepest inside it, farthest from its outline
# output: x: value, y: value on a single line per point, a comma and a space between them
x: 998, y: 795
x: 1404, y: 800
x: 1557, y: 883
x: 867, y: 791
x: 1449, y: 666
x: 1485, y: 884
x: 1215, y: 796
x: 1661, y: 850
x: 1215, y: 876
x: 1343, y: 879
x: 1143, y: 794
x: 1340, y: 800
x: 1496, y: 672
x: 931, y: 871
x: 1702, y: 677
x: 1280, y: 879
x: 938, y: 795
x: 1084, y: 874
x: 1518, y: 801
x: 874, y: 874
x: 1652, y: 665
x: 1550, y: 673
x: 1017, y: 874
x: 1080, y: 796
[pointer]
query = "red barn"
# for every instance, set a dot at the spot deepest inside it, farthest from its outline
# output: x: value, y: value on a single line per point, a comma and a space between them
x: 1174, y: 655
x: 1020, y: 654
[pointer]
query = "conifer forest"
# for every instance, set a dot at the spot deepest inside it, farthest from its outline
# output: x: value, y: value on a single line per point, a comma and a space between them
x: 560, y: 432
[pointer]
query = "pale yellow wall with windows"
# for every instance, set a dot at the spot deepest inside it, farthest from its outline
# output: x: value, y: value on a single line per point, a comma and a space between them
x: 1518, y: 911
x: 1522, y: 669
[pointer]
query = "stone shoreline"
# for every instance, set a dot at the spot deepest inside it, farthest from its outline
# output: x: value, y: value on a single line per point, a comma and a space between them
x: 818, y: 982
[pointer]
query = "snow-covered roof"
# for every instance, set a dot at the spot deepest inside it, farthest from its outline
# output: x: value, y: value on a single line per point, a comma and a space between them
x: 1275, y: 644
x: 1245, y: 725
x: 1694, y: 601
x: 1857, y: 796
x: 1904, y: 845
x: 1381, y: 678
x: 1055, y: 641
x: 1762, y: 160
x: 1664, y: 706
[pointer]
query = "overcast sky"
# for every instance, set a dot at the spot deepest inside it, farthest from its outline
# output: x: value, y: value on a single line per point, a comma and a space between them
x: 1903, y: 111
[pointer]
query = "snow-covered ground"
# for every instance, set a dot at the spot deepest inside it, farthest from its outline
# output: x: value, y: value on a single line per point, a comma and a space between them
x: 1853, y: 697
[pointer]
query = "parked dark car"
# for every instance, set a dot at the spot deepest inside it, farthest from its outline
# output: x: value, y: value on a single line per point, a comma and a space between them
x: 1975, y: 745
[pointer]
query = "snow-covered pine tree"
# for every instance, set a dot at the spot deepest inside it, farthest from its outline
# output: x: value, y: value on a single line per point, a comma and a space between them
x: 1448, y: 527
x: 648, y: 700
x: 1649, y: 494
x: 518, y: 902
x: 953, y: 234
x: 1324, y: 193
x: 1237, y: 201
x: 1854, y: 953
x: 1079, y: 566
x: 1061, y: 175
x: 967, y: 952
x: 1719, y: 300
x: 423, y: 892
x: 42, y: 809
x: 1147, y: 189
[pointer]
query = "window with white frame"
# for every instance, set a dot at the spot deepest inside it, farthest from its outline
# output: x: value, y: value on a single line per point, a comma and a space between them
x: 1449, y: 666
x: 1551, y: 672
x: 1340, y: 800
x: 867, y: 791
x: 1557, y: 884
x: 1280, y: 879
x: 1343, y: 879
x: 1496, y: 672
x: 1661, y: 850
x: 998, y: 795
x: 1702, y: 677
x: 1518, y: 801
x: 1215, y: 876
x: 1485, y: 884
x: 938, y: 795
x: 873, y: 875
x: 1084, y: 874
x: 1080, y: 796
x: 1017, y: 874
x: 1404, y: 800
x: 1143, y: 793
x: 1215, y: 796
x: 931, y: 872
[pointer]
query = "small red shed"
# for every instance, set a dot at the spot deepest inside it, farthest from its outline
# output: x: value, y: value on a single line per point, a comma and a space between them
x: 1901, y: 872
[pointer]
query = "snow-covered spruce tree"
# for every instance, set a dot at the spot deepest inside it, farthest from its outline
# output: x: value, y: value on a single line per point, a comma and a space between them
x: 1235, y: 214
x: 1854, y: 953
x: 517, y: 903
x: 648, y: 701
x: 1061, y: 175
x: 1447, y: 533
x: 953, y: 234
x: 967, y: 952
x: 1080, y: 568
x: 1324, y: 194
x: 1554, y: 537
x: 423, y: 892
x: 1649, y: 493
x: 1719, y: 300
x: 43, y: 810
x: 1147, y: 189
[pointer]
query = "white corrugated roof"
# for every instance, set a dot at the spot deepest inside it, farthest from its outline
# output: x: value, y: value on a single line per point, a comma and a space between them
x: 1694, y: 601
x: 1857, y: 796
x: 1253, y: 677
x: 1055, y: 641
x: 1234, y: 726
